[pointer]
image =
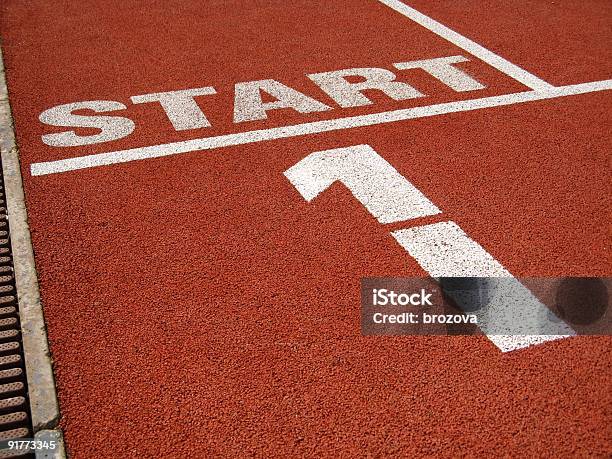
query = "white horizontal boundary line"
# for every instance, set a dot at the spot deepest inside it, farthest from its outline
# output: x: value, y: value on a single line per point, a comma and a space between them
x: 498, y: 62
x: 241, y: 138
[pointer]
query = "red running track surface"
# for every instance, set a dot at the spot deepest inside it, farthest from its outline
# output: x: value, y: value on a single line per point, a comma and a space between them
x: 198, y: 306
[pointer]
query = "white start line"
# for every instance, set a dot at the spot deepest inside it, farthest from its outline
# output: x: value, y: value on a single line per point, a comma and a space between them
x: 184, y: 113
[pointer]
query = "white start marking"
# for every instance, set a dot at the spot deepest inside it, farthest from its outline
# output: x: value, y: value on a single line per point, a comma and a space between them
x: 185, y: 113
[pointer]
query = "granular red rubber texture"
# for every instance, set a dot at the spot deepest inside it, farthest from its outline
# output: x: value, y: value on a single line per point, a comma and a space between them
x: 563, y: 42
x: 198, y: 306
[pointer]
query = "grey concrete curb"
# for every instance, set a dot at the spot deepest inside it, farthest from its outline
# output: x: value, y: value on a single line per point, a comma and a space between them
x: 38, y: 363
x: 58, y: 452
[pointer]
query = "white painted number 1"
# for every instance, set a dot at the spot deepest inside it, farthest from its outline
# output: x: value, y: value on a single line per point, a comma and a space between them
x: 442, y: 249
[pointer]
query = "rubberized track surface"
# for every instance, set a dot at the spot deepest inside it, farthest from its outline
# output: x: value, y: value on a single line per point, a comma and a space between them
x: 197, y: 305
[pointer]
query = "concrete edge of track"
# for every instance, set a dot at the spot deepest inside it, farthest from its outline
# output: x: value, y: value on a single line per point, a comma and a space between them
x: 38, y: 361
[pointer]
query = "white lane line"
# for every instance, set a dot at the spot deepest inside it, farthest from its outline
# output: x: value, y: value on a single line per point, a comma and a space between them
x: 470, y: 46
x: 513, y: 317
x: 227, y: 140
x: 444, y: 250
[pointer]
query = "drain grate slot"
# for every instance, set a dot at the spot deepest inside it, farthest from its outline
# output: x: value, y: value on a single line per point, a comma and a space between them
x: 8, y: 323
x: 11, y: 388
x: 9, y: 347
x: 8, y: 334
x: 10, y: 360
x: 15, y: 420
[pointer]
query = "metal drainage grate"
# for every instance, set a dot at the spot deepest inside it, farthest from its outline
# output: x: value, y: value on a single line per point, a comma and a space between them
x: 15, y: 420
